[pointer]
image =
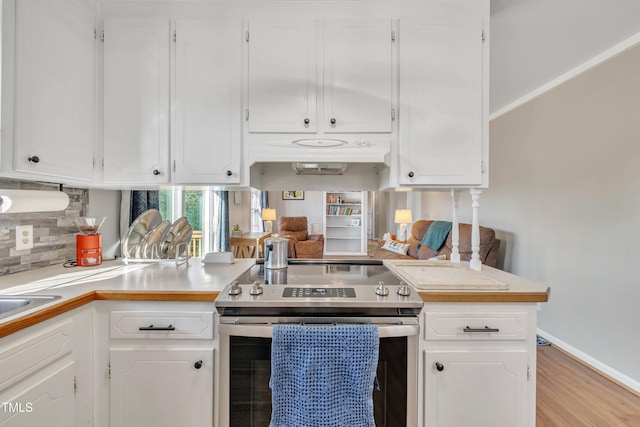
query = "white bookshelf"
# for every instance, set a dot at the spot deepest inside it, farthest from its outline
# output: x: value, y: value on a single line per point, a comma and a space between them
x: 345, y: 228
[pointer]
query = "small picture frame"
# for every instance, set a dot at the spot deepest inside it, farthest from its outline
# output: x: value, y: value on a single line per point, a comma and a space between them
x: 355, y: 222
x: 293, y: 195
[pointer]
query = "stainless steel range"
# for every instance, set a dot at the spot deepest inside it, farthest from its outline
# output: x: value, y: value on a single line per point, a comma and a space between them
x: 316, y: 292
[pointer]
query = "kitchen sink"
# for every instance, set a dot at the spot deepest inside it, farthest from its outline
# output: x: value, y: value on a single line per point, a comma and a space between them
x: 13, y: 304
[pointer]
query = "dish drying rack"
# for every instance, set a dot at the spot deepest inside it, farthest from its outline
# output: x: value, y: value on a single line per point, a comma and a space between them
x: 181, y: 248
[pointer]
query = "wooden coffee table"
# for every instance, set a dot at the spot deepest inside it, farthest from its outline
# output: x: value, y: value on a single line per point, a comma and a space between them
x: 248, y: 246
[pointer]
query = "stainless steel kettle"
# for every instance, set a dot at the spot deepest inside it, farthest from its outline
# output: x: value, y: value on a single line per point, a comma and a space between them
x: 276, y: 250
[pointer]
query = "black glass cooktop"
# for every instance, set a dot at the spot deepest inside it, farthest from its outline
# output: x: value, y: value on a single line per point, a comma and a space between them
x: 322, y: 272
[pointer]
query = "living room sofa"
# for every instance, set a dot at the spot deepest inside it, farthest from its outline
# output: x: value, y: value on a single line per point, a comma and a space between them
x: 489, y: 245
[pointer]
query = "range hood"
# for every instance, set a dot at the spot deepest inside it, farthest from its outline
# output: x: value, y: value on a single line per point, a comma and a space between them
x: 318, y: 164
x: 310, y: 168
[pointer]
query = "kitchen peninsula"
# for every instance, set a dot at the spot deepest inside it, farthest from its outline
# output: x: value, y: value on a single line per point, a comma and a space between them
x: 112, y: 308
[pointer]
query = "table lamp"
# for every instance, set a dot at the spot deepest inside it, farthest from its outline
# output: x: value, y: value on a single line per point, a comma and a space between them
x: 268, y: 215
x: 403, y: 218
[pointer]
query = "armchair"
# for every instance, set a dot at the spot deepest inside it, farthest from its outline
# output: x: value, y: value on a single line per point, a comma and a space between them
x: 301, y: 243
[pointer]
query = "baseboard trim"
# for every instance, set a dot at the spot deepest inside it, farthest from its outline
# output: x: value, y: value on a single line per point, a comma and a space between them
x: 585, y: 66
x: 619, y: 378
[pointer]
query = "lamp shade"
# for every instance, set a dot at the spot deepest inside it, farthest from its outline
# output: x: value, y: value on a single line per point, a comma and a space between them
x: 403, y: 216
x: 268, y: 214
x: 14, y: 201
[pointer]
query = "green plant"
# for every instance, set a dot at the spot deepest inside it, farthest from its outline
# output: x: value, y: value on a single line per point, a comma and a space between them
x: 236, y: 227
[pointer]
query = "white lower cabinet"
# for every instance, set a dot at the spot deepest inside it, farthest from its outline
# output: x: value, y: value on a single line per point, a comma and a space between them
x: 48, y: 402
x: 45, y: 373
x: 159, y: 363
x: 161, y: 387
x: 476, y: 388
x: 479, y: 365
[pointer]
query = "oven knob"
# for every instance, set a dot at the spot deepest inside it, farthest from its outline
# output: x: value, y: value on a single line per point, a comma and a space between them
x: 382, y: 290
x: 256, y: 289
x: 404, y: 290
x: 235, y: 288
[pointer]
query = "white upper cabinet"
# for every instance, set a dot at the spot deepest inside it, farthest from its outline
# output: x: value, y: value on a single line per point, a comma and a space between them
x: 357, y: 76
x: 207, y: 120
x: 442, y: 115
x: 54, y: 125
x: 136, y: 101
x: 343, y: 65
x: 282, y: 76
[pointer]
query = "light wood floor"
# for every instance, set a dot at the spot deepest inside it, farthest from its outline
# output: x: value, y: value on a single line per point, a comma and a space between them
x: 570, y: 394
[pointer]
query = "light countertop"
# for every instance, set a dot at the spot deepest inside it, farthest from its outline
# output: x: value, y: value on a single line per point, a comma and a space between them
x: 196, y: 281
x: 113, y: 280
x: 516, y: 289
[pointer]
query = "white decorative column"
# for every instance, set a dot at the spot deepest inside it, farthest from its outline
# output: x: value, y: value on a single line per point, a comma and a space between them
x: 455, y: 240
x: 475, y: 263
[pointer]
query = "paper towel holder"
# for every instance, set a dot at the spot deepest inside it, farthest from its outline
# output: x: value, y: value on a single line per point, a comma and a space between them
x: 20, y: 201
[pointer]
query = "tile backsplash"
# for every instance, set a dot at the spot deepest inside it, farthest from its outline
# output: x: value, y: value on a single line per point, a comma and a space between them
x: 54, y: 240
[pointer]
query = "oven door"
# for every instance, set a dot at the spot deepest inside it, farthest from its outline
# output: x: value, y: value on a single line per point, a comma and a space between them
x: 245, y: 369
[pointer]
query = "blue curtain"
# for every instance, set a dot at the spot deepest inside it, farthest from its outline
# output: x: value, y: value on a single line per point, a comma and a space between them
x: 221, y: 218
x: 142, y: 201
x: 264, y: 195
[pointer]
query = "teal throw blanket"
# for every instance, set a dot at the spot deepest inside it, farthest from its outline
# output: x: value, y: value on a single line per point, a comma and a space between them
x: 436, y: 235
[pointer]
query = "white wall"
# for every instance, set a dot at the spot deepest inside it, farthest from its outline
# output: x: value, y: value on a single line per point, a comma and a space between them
x: 535, y: 41
x: 312, y: 206
x: 107, y: 203
x: 564, y: 195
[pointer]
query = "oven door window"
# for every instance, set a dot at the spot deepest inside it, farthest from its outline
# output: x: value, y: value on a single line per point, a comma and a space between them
x: 250, y: 395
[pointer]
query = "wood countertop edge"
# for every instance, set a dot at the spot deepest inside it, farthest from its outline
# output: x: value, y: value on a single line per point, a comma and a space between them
x: 207, y: 296
x: 47, y: 313
x: 497, y: 296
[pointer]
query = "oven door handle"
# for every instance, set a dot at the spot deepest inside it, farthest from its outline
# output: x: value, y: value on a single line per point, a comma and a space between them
x: 264, y: 330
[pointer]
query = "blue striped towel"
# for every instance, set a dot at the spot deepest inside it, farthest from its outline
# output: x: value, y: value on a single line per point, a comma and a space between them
x: 436, y: 235
x: 323, y: 375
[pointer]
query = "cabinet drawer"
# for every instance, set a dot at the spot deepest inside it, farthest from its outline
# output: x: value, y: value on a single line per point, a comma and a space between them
x: 162, y: 325
x: 475, y: 326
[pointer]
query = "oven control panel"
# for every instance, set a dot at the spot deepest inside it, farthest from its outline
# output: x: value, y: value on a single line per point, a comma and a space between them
x: 332, y: 292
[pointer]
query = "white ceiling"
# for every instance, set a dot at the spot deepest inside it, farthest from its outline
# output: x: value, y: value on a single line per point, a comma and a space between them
x: 535, y: 41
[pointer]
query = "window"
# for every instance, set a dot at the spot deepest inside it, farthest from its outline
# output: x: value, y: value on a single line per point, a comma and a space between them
x: 256, y: 211
x: 201, y: 208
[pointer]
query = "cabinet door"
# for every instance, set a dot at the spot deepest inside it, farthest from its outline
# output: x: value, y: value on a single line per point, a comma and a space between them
x: 162, y: 387
x: 357, y: 76
x: 55, y: 88
x: 136, y: 101
x: 441, y: 85
x: 475, y: 388
x: 49, y: 402
x: 282, y: 76
x: 207, y: 108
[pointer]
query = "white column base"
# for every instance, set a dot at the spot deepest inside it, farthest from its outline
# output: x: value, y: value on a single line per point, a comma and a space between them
x: 475, y: 263
x: 455, y: 240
